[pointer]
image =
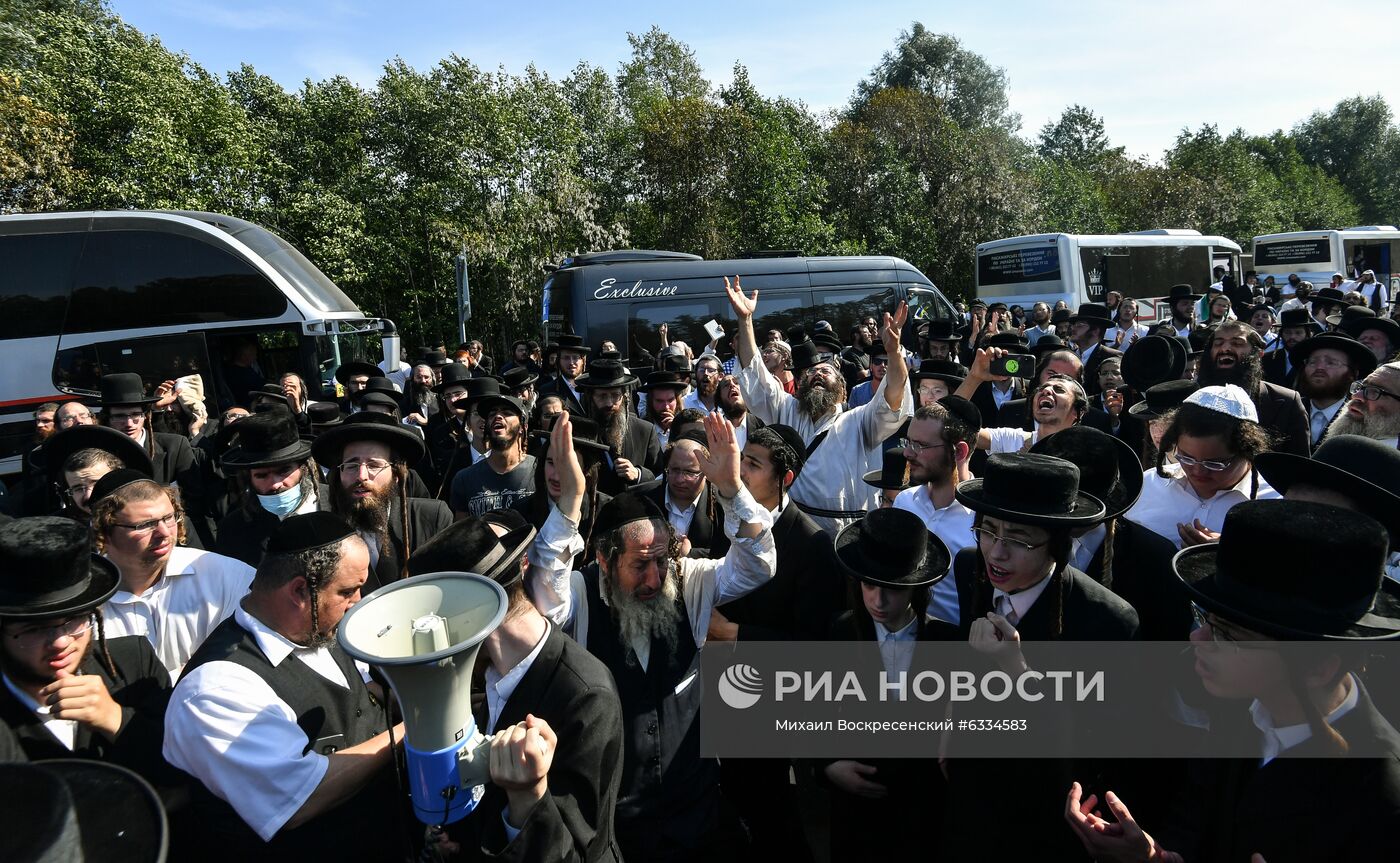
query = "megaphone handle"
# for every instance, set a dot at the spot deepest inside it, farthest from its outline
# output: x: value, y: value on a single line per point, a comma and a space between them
x: 474, y: 765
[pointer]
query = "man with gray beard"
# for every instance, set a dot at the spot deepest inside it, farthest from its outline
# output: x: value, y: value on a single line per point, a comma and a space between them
x: 841, y: 444
x: 1373, y: 410
x: 644, y: 611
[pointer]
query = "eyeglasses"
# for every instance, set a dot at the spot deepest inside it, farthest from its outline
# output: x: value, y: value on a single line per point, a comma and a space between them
x: 1207, y: 464
x: 373, y: 467
x: 147, y: 527
x: 915, y: 447
x: 984, y: 535
x: 683, y: 474
x: 1326, y: 363
x: 1218, y: 633
x: 1370, y: 393
x: 39, y: 637
x: 80, y: 488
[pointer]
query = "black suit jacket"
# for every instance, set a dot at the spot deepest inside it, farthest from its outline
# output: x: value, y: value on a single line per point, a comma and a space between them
x: 1091, y: 612
x: 805, y: 593
x: 1143, y: 576
x: 1014, y: 414
x: 986, y: 404
x: 1273, y: 363
x: 706, y: 533
x: 557, y: 387
x: 641, y: 448
x: 142, y: 688
x: 1281, y: 412
x: 574, y: 692
x: 1091, y: 368
x: 426, y: 519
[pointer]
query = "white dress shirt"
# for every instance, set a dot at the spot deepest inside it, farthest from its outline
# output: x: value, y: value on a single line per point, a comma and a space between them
x: 227, y: 728
x: 1013, y: 606
x: 1002, y: 396
x: 1083, y: 548
x: 692, y: 400
x: 897, y: 647
x: 66, y: 730
x: 679, y: 516
x: 1121, y: 338
x: 1168, y: 501
x: 500, y: 687
x: 558, y: 591
x: 1320, y: 418
x: 197, y: 591
x: 1279, y: 739
x: 953, y: 525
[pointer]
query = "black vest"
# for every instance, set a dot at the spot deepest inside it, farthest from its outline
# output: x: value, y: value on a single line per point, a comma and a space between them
x: 333, y: 718
x: 669, y: 798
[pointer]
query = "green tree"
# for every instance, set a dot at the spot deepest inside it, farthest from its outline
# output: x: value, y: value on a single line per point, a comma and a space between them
x: 1077, y: 139
x: 1357, y: 144
x: 36, y: 152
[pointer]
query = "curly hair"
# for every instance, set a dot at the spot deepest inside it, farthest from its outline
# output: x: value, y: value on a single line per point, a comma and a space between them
x: 1244, y: 439
x: 108, y: 510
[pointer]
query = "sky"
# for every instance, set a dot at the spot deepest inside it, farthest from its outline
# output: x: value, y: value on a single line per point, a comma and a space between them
x: 1148, y: 69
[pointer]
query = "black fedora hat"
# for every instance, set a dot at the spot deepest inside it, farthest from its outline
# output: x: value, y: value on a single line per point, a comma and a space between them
x: 585, y: 433
x: 1008, y: 339
x: 324, y: 415
x: 1047, y: 343
x: 947, y: 371
x: 80, y: 809
x: 1359, y: 355
x: 1108, y: 467
x: 518, y: 378
x: 270, y: 391
x: 123, y: 388
x: 380, y: 385
x: 1328, y: 297
x: 477, y: 389
x: 892, y: 548
x: 1298, y: 318
x: 1379, y: 322
x: 1181, y: 292
x: 571, y: 342
x: 673, y: 359
x: 1350, y: 314
x: 1152, y: 360
x: 1361, y: 469
x: 470, y: 545
x: 406, y: 444
x: 1059, y: 316
x: 453, y: 375
x: 265, y: 439
x: 345, y: 371
x: 366, y: 400
x: 606, y: 374
x: 486, y: 404
x: 662, y: 380
x: 1094, y: 313
x: 432, y: 357
x: 806, y: 354
x: 893, y: 472
x: 1030, y: 489
x: 1163, y: 397
x: 1266, y: 572
x: 47, y: 569
x: 63, y: 444
x: 941, y: 330
x: 625, y: 508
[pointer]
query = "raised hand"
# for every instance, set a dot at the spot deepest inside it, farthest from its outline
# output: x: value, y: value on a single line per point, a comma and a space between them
x: 83, y: 698
x: 566, y: 466
x: 721, y: 465
x: 1122, y: 841
x: 743, y: 306
x: 982, y: 365
x: 892, y: 326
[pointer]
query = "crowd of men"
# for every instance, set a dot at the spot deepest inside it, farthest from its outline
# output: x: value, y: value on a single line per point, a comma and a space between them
x: 171, y: 587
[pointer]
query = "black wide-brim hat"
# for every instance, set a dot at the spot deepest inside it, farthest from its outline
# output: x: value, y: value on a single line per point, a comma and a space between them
x: 1108, y: 468
x: 1153, y: 360
x: 1386, y: 325
x: 663, y: 381
x: 80, y: 809
x: 585, y: 433
x: 806, y: 354
x: 517, y: 378
x: 486, y: 404
x: 939, y: 370
x: 1359, y: 354
x: 1350, y: 314
x: 265, y: 439
x: 406, y: 444
x: 1032, y: 489
x: 893, y: 473
x: 345, y: 371
x: 47, y: 569
x: 63, y: 444
x: 1361, y: 469
x: 123, y: 388
x: 453, y: 375
x: 1181, y: 292
x: 1296, y: 570
x: 942, y: 330
x: 605, y: 374
x: 1095, y: 313
x: 1329, y: 297
x: 1163, y: 397
x: 892, y: 548
x: 571, y: 342
x: 470, y: 545
x: 1048, y: 343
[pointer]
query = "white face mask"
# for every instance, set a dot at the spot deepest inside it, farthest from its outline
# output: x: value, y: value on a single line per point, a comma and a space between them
x: 283, y: 503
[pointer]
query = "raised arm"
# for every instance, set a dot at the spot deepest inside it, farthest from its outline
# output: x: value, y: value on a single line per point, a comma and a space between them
x: 743, y: 310
x: 896, y: 372
x: 980, y: 372
x: 553, y: 551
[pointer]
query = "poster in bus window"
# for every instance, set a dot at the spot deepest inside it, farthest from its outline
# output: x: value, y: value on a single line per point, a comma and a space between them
x: 1292, y: 252
x: 1016, y: 266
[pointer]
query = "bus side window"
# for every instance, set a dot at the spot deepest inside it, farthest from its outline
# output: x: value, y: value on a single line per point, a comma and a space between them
x: 685, y: 322
x: 36, y: 274
x: 844, y: 307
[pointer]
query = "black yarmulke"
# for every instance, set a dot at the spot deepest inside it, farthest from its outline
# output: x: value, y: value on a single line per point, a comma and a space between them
x: 963, y: 410
x: 113, y: 481
x: 695, y: 435
x: 305, y: 532
x: 625, y: 509
x: 791, y: 437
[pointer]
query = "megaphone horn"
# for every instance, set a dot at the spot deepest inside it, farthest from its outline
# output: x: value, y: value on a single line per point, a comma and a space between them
x: 424, y: 633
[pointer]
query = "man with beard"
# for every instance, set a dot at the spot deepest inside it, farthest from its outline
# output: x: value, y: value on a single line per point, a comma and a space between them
x: 418, y: 403
x: 1183, y: 305
x: 707, y: 375
x: 1295, y: 325
x: 520, y: 382
x: 1232, y: 357
x: 841, y: 444
x: 353, y: 378
x: 732, y: 405
x: 277, y: 724
x: 1381, y: 335
x: 368, y: 458
x: 1373, y: 410
x: 635, y: 448
x: 572, y: 358
x: 940, y: 440
x: 645, y: 612
x: 941, y: 340
x: 1330, y: 363
x: 1040, y: 323
x: 663, y: 394
x: 507, y: 475
x: 1086, y: 331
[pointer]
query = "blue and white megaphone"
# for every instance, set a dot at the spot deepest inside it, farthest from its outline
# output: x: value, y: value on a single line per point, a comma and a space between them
x: 423, y: 633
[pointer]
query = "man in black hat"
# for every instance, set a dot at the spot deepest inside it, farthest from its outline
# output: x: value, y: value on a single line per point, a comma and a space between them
x: 1295, y: 325
x: 536, y: 675
x: 276, y: 723
x: 1330, y: 364
x: 520, y: 382
x: 1328, y: 301
x: 892, y: 477
x: 68, y: 690
x: 368, y: 458
x: 662, y: 394
x: 1086, y: 330
x: 573, y: 357
x: 645, y: 612
x: 353, y: 377
x: 447, y: 428
x: 939, y: 340
x: 520, y: 358
x: 1259, y: 585
x: 467, y: 429
x: 1380, y: 334
x: 840, y: 443
x: 507, y: 475
x: 635, y: 444
x: 276, y: 477
x: 1233, y: 358
x: 1181, y: 299
x: 76, y: 458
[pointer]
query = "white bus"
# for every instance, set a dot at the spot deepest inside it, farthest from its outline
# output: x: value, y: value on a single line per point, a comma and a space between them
x: 1083, y: 268
x: 162, y: 294
x: 1315, y: 255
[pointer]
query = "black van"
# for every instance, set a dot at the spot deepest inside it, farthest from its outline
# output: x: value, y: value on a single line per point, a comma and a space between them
x: 629, y: 293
